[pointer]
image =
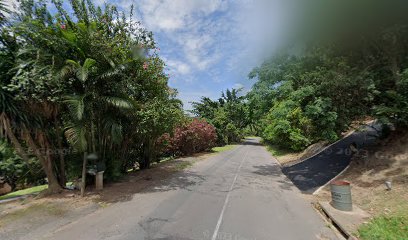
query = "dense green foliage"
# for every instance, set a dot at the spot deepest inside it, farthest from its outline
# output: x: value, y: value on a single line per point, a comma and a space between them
x: 15, y: 171
x: 229, y: 115
x: 84, y: 79
x: 314, y: 91
x: 316, y: 94
x: 72, y: 84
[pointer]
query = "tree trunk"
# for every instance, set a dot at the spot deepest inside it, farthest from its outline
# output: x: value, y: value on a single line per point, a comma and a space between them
x: 10, y: 135
x: 147, y: 155
x: 12, y: 184
x: 46, y: 163
x: 62, y: 176
x: 83, y: 180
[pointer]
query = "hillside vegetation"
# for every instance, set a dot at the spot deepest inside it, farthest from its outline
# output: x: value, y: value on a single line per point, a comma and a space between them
x: 368, y: 172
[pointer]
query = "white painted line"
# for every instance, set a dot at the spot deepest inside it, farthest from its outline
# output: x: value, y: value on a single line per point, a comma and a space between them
x: 217, y: 228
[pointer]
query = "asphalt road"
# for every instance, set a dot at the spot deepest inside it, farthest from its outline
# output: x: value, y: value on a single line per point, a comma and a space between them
x: 317, y: 170
x: 236, y: 195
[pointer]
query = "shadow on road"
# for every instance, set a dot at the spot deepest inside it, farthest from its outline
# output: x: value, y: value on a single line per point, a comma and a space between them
x: 251, y: 142
x: 160, y: 179
x: 275, y: 172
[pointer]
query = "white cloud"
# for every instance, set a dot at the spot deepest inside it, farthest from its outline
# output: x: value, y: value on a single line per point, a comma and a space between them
x: 195, y: 47
x: 238, y: 86
x: 188, y: 27
x: 183, y: 68
x: 169, y: 15
x: 206, y: 42
x: 195, y: 96
x: 178, y: 66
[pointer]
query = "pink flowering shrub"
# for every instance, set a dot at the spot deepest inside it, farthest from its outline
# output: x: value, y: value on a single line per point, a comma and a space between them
x: 145, y: 65
x: 193, y: 137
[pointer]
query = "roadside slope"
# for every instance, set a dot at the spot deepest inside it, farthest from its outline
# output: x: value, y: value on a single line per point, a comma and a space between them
x: 316, y: 171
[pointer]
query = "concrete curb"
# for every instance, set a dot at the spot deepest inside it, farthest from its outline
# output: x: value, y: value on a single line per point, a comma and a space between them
x: 346, y: 222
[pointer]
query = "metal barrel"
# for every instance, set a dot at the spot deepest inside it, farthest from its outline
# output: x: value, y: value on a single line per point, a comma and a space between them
x: 341, y: 195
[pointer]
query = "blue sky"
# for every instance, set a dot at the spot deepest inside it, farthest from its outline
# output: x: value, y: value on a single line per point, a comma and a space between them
x: 209, y: 45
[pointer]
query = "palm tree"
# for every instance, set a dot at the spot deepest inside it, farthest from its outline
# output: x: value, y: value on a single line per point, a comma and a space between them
x: 89, y: 125
x: 15, y: 121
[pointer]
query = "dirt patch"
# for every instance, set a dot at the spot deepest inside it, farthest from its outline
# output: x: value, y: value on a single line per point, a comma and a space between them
x: 289, y: 158
x: 371, y: 168
x: 140, y: 181
x: 356, y: 124
x: 286, y: 157
x: 32, y: 218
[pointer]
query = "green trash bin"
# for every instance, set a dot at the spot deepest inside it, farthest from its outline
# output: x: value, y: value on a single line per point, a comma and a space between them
x: 341, y: 195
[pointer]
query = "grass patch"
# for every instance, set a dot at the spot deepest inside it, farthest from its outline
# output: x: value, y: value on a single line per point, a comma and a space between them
x: 393, y: 227
x: 283, y: 155
x: 224, y: 148
x: 250, y: 137
x: 166, y: 159
x: 23, y: 192
x: 278, y: 151
x: 33, y: 211
x: 182, y: 165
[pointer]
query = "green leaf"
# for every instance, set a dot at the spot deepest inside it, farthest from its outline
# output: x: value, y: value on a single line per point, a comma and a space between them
x: 76, y: 136
x: 119, y: 102
x: 76, y: 106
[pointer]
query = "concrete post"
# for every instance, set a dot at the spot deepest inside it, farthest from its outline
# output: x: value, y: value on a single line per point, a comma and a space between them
x: 99, y: 180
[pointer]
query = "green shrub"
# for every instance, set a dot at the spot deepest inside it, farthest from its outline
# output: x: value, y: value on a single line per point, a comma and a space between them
x: 394, y: 108
x: 286, y: 125
x: 15, y: 171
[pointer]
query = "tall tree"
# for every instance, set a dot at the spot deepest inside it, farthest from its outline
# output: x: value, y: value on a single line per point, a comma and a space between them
x: 94, y: 75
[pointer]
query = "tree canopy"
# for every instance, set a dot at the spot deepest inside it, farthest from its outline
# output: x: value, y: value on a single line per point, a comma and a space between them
x: 229, y: 114
x: 80, y: 83
x: 315, y: 89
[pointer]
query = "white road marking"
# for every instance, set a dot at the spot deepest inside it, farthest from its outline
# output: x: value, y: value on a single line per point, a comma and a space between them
x: 217, y: 228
